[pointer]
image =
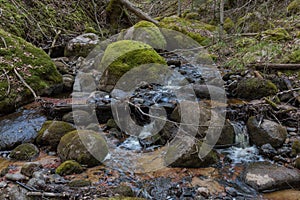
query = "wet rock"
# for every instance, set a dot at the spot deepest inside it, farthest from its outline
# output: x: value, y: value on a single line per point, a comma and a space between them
x: 19, y: 128
x: 77, y: 117
x: 61, y: 65
x: 79, y: 183
x: 266, y: 176
x: 206, y: 91
x: 267, y: 150
x: 255, y: 88
x: 36, y: 183
x: 69, y: 167
x: 14, y: 193
x: 15, y: 177
x: 3, y: 184
x: 84, y: 82
x: 29, y: 168
x: 51, y: 133
x: 82, y: 45
x: 25, y: 151
x: 93, y: 127
x: 184, y: 152
x: 84, y: 146
x: 266, y: 132
x: 68, y: 81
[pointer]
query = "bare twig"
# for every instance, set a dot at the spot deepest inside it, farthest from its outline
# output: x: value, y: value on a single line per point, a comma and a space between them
x: 8, y: 82
x: 46, y: 194
x: 24, y: 82
x: 4, y: 42
x: 54, y: 41
x: 96, y: 18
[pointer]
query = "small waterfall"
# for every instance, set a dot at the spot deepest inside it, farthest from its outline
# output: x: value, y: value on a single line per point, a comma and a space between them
x: 242, y: 152
x: 241, y: 134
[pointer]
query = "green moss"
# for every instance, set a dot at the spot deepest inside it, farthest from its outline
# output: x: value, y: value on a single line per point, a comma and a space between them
x: 69, y: 167
x: 24, y: 151
x: 277, y: 34
x: 197, y: 30
x: 296, y: 148
x: 294, y: 57
x: 52, y: 131
x: 294, y: 7
x: 255, y: 88
x: 79, y: 183
x: 111, y: 124
x: 32, y: 63
x: 143, y: 24
x: 228, y: 24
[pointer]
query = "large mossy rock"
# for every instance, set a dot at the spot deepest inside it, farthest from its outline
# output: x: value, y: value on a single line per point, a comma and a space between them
x: 84, y: 146
x: 51, y: 133
x: 146, y: 32
x: 35, y: 67
x: 265, y: 176
x: 268, y: 132
x: 25, y: 151
x: 255, y: 88
x: 122, y: 56
x: 199, y: 31
x: 69, y: 167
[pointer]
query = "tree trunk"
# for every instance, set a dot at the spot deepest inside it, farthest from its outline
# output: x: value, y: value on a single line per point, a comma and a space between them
x: 130, y: 6
x: 221, y: 19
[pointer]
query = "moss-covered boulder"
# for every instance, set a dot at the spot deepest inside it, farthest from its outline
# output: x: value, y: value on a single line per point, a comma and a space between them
x: 266, y: 132
x: 184, y: 152
x: 121, y: 57
x: 81, y: 45
x: 294, y: 7
x: 69, y: 167
x: 277, y: 34
x: 25, y: 151
x: 78, y: 117
x: 51, y: 133
x: 35, y: 67
x: 84, y: 146
x: 255, y: 88
x: 199, y: 31
x: 145, y: 32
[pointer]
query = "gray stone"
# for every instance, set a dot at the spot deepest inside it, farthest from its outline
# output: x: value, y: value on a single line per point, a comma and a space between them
x: 266, y: 176
x: 15, y: 177
x: 29, y: 168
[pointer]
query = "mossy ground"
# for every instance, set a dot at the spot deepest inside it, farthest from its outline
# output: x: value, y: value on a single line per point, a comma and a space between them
x: 32, y: 63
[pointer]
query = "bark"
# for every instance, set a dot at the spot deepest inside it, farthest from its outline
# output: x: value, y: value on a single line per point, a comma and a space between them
x: 130, y: 6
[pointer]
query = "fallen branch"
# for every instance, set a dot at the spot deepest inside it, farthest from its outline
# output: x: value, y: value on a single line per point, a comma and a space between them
x: 54, y: 41
x: 46, y: 194
x: 261, y: 66
x: 24, y: 82
x: 130, y: 6
x: 8, y: 82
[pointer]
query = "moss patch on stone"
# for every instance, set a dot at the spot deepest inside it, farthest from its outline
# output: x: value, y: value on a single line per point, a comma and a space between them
x: 122, y: 56
x: 52, y: 131
x: 199, y: 31
x: 80, y: 144
x: 255, y: 88
x: 69, y: 167
x: 32, y: 63
x: 24, y: 152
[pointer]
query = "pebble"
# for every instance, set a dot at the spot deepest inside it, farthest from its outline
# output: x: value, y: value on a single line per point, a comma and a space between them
x: 3, y: 184
x: 15, y: 177
x: 203, y: 191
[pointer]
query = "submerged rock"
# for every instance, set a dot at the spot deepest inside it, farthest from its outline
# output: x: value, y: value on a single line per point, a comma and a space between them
x: 84, y: 146
x: 25, y: 151
x: 52, y: 131
x: 266, y: 132
x: 266, y: 176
